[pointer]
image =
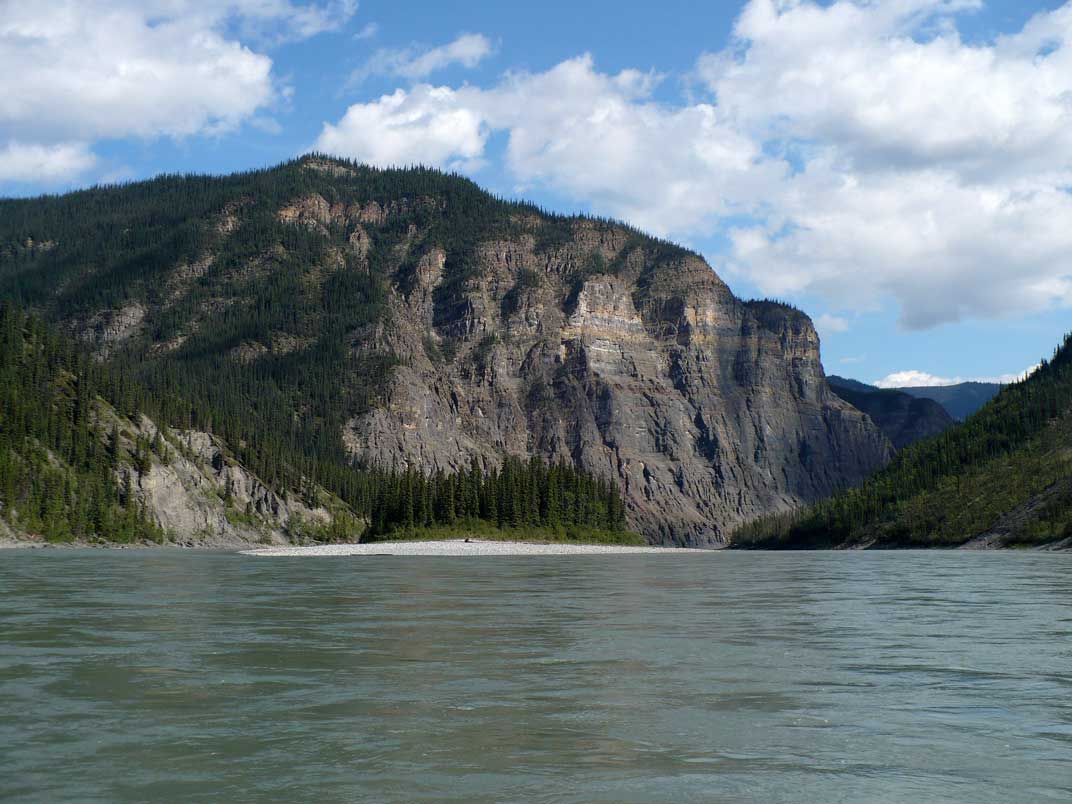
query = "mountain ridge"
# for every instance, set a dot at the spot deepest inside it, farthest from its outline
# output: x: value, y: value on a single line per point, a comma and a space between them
x: 960, y: 400
x: 904, y: 418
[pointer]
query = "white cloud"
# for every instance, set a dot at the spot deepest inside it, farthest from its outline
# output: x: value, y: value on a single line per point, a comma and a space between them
x: 597, y: 137
x: 468, y: 50
x: 44, y: 163
x: 80, y: 71
x: 368, y: 32
x: 942, y: 249
x: 427, y: 125
x: 914, y: 379
x: 929, y: 170
x: 299, y: 21
x: 922, y: 379
x: 830, y: 324
x: 858, y: 77
x: 857, y: 150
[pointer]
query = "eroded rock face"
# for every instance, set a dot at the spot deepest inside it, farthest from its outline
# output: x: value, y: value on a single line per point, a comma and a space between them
x: 107, y: 330
x: 706, y: 410
x: 200, y: 496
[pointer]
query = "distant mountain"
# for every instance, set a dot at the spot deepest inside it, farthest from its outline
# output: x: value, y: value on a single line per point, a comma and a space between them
x: 849, y: 384
x: 961, y: 400
x: 1002, y: 478
x: 902, y: 417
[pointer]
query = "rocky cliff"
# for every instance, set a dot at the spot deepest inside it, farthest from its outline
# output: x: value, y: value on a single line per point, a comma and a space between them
x: 200, y: 496
x: 707, y: 410
x: 490, y: 329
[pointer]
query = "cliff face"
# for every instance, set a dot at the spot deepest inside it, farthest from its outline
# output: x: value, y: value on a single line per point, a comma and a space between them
x: 200, y: 496
x: 708, y: 411
x: 490, y: 328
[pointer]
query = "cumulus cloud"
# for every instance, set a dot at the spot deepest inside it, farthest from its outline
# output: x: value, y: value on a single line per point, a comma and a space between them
x: 596, y: 137
x: 929, y: 170
x: 914, y: 379
x: 44, y: 163
x: 921, y: 379
x: 82, y: 71
x: 857, y: 150
x: 414, y: 63
x: 427, y: 125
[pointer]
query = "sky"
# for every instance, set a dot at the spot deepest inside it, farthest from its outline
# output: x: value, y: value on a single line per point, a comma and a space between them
x: 899, y: 169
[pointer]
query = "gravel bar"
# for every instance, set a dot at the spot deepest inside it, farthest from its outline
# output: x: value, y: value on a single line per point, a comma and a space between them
x: 461, y: 547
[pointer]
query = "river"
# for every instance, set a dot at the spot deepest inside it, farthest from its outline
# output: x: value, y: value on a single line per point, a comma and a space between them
x: 167, y: 675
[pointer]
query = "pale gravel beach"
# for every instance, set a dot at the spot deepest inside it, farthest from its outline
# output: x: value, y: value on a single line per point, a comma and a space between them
x: 460, y: 547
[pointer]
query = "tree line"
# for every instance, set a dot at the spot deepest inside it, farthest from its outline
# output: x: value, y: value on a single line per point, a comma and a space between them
x: 520, y: 494
x: 58, y: 465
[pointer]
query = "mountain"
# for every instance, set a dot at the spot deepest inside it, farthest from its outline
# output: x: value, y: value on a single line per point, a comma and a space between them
x: 960, y: 400
x: 326, y: 315
x: 82, y: 460
x: 903, y: 418
x: 1003, y: 478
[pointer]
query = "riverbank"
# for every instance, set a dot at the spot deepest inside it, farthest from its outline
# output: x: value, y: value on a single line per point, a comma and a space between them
x: 461, y: 547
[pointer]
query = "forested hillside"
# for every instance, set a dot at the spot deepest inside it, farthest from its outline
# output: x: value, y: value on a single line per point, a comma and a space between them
x: 58, y: 470
x: 1002, y: 478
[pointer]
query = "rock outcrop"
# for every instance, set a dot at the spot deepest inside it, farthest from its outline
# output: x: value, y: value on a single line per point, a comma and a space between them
x: 201, y: 496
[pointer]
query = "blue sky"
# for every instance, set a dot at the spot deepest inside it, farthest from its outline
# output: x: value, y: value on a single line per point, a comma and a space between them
x: 898, y: 168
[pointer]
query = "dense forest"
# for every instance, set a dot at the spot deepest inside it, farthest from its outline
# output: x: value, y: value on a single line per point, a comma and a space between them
x: 1010, y: 464
x: 59, y: 459
x: 57, y: 466
x: 521, y: 495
